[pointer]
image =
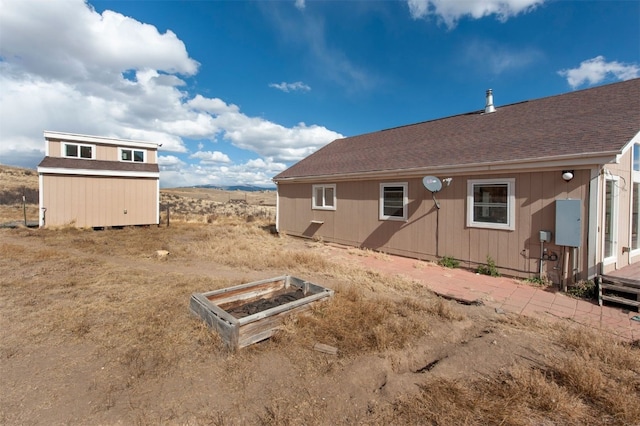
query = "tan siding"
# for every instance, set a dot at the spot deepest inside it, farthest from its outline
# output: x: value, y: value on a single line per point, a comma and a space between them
x: 86, y: 201
x: 355, y: 222
x: 54, y: 148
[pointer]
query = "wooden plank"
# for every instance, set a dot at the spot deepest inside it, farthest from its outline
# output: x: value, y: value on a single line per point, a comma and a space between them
x: 621, y: 300
x: 618, y: 280
x: 257, y: 331
x: 284, y: 307
x: 321, y: 347
x: 621, y: 288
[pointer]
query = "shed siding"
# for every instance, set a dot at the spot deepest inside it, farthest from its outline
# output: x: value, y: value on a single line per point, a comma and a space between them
x: 429, y: 233
x: 93, y: 201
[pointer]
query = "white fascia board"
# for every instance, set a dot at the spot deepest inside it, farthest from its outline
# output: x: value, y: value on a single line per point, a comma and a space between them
x: 74, y: 137
x: 87, y: 172
x: 629, y: 145
x: 569, y: 161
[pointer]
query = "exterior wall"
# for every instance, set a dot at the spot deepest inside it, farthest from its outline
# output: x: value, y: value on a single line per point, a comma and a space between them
x: 88, y: 201
x: 430, y: 234
x: 622, y: 171
x: 103, y: 151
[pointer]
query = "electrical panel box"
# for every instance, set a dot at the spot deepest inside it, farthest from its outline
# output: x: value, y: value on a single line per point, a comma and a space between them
x: 568, y: 223
x: 545, y: 236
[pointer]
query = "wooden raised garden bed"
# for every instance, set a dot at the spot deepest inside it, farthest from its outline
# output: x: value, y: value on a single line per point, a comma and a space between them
x: 248, y: 313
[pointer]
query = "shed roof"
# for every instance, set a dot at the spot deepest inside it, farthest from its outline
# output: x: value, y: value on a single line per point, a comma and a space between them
x: 585, y: 123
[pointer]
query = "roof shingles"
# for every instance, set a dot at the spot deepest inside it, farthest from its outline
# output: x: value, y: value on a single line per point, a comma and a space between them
x: 597, y: 120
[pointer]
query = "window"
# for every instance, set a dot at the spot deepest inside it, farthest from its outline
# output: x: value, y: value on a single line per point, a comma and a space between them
x: 134, y: 155
x: 74, y: 150
x: 610, y: 216
x: 636, y: 157
x: 491, y: 203
x: 324, y: 197
x: 393, y: 201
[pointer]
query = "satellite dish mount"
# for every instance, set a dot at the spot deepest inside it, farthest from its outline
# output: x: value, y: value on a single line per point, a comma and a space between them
x: 433, y: 185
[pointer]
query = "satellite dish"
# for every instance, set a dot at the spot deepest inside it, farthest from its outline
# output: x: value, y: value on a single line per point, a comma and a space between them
x: 432, y: 183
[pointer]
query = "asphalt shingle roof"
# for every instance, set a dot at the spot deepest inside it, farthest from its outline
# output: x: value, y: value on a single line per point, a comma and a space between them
x: 596, y: 120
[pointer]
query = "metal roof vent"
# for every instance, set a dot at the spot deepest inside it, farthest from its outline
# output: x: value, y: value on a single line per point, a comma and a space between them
x: 489, y: 108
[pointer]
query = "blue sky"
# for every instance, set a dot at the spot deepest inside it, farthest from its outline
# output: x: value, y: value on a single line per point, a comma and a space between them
x: 236, y: 91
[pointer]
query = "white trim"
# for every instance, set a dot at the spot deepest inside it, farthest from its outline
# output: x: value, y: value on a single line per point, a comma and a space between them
x: 87, y: 172
x: 63, y: 150
x: 277, y: 209
x: 557, y: 162
x: 74, y: 137
x: 122, y: 148
x: 593, y: 256
x: 158, y: 202
x: 405, y: 201
x: 511, y: 203
x: 635, y: 179
x: 315, y: 205
x: 40, y: 199
x: 615, y: 207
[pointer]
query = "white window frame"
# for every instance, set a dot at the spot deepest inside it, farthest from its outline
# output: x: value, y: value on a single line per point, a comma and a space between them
x: 79, y: 146
x: 405, y: 201
x: 615, y: 207
x: 511, y: 204
x: 144, y: 154
x: 635, y: 177
x: 322, y: 204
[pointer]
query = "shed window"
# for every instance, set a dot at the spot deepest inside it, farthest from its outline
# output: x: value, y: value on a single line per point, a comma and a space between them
x: 324, y: 197
x: 491, y: 203
x: 74, y: 150
x: 393, y: 201
x: 134, y: 155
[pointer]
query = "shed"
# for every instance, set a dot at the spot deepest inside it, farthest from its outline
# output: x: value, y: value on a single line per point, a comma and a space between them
x: 95, y: 181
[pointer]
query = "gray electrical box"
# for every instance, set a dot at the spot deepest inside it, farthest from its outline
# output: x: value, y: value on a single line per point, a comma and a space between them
x: 545, y: 236
x: 568, y: 223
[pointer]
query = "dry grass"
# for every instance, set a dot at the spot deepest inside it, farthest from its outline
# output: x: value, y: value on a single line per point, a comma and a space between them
x: 102, y: 303
x: 595, y: 382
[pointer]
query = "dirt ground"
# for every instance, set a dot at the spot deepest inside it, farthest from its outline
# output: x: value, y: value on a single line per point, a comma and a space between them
x: 95, y: 329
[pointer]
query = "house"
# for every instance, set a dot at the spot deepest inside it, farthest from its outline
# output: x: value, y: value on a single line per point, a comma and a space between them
x: 94, y: 181
x: 545, y: 187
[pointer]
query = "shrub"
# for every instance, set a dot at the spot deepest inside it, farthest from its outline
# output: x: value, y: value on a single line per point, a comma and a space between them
x: 448, y: 262
x: 490, y: 268
x: 583, y: 289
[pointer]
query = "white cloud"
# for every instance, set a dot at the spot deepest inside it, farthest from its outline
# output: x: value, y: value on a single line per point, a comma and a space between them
x: 451, y: 11
x: 298, y: 86
x: 596, y: 70
x: 300, y: 4
x: 258, y: 172
x: 66, y: 67
x: 494, y: 58
x: 209, y: 157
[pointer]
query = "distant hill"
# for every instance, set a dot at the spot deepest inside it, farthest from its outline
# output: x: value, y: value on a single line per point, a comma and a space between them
x: 247, y: 188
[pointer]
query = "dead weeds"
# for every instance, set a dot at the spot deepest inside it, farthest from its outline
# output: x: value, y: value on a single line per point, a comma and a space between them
x: 96, y: 329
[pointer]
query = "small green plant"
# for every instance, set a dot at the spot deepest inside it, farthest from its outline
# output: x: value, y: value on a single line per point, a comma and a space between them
x: 540, y: 281
x: 490, y: 268
x: 583, y: 289
x: 449, y: 262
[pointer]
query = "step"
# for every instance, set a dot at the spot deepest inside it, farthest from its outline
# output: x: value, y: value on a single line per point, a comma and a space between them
x: 617, y: 280
x: 620, y: 288
x: 621, y: 300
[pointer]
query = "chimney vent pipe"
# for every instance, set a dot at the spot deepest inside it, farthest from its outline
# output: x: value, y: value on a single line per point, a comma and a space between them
x: 489, y: 108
